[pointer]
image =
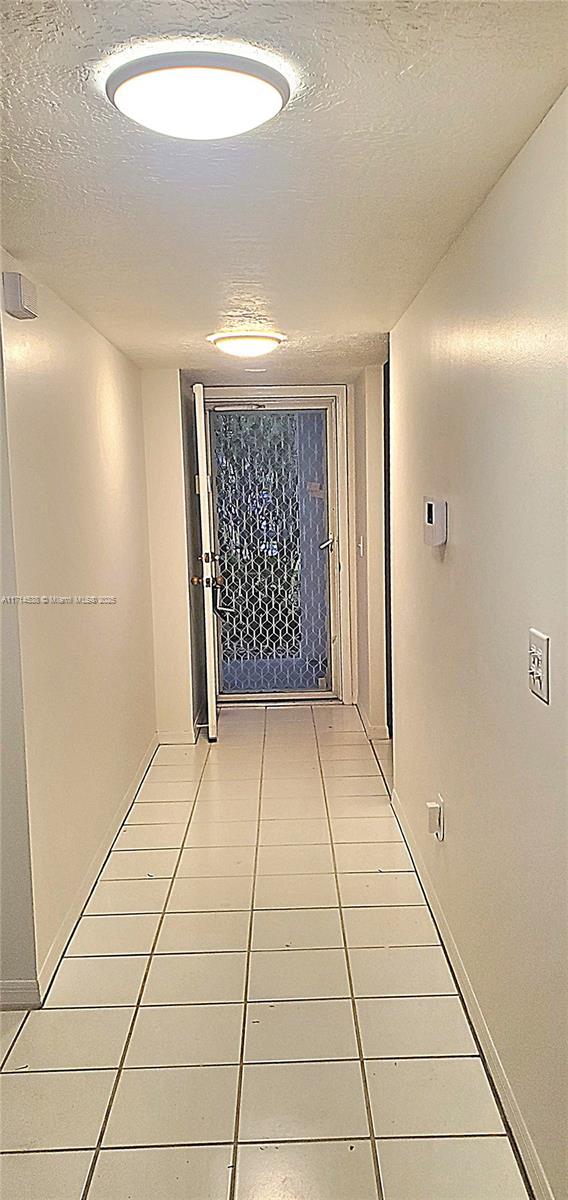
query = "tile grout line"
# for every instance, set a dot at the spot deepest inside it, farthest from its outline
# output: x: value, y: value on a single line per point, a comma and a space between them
x: 231, y: 1003
x: 15, y: 1037
x: 256, y: 1062
x: 259, y: 950
x: 262, y: 875
x: 388, y: 1137
x: 79, y: 918
x: 119, y: 1069
x: 236, y: 1129
x: 180, y: 912
x: 365, y: 1085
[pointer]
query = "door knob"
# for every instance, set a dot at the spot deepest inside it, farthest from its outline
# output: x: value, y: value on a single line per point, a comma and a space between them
x: 195, y: 579
x: 327, y: 544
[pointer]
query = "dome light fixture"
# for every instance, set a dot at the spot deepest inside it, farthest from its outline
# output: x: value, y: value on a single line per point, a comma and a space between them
x: 245, y: 343
x: 199, y: 95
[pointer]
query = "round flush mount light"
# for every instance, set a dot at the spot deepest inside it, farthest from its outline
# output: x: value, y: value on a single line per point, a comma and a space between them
x: 198, y: 95
x: 247, y: 344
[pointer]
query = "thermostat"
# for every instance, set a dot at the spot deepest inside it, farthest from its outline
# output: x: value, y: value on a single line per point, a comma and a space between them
x: 435, y: 521
x: 20, y: 297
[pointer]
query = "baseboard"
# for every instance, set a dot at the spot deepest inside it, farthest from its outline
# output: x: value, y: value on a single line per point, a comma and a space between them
x: 57, y: 947
x: 199, y: 722
x: 177, y: 737
x: 525, y: 1145
x: 377, y: 733
x: 19, y: 994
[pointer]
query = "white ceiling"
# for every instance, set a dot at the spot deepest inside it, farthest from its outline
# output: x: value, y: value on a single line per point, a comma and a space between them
x: 325, y: 222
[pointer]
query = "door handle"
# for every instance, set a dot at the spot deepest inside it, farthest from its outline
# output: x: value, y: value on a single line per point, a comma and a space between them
x: 327, y: 544
x: 217, y: 584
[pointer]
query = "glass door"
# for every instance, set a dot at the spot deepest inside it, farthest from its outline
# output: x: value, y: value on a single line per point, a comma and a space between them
x: 274, y: 512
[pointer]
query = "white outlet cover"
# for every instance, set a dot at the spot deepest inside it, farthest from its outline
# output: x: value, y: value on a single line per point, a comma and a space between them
x: 539, y: 665
x: 20, y: 296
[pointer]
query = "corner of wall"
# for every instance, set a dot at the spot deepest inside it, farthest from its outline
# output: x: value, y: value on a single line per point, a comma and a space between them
x: 375, y: 733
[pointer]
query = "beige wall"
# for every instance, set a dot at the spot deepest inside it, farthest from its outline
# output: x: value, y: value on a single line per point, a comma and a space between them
x: 75, y: 439
x: 479, y: 418
x: 368, y: 525
x: 18, y: 974
x: 168, y: 553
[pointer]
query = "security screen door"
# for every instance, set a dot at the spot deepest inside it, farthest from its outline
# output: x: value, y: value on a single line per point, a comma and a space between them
x: 273, y: 507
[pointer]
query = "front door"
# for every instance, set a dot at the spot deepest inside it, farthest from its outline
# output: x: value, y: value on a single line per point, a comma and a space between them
x: 271, y: 532
x: 274, y: 507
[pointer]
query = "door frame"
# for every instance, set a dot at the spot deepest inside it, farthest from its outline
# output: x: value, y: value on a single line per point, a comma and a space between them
x: 336, y: 399
x: 203, y: 481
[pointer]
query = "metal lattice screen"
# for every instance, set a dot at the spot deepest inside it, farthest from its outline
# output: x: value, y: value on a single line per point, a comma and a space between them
x: 271, y: 493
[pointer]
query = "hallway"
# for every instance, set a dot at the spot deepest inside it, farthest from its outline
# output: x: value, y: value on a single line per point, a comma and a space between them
x: 269, y: 868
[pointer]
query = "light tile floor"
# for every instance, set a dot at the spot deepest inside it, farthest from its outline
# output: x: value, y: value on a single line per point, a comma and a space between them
x: 255, y: 1004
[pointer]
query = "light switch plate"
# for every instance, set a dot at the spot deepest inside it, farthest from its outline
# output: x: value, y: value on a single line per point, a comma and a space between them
x: 539, y: 665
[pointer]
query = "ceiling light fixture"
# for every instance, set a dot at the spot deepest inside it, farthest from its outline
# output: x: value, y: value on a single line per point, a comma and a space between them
x: 198, y: 95
x: 247, y: 344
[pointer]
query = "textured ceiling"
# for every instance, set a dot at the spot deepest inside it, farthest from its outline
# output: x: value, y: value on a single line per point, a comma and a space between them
x: 325, y: 222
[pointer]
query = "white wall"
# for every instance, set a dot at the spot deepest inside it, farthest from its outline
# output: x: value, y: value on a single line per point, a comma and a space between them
x: 18, y: 973
x: 479, y: 418
x: 75, y: 438
x: 368, y: 525
x: 168, y: 553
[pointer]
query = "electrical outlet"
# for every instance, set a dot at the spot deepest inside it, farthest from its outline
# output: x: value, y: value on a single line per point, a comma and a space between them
x: 539, y: 665
x: 435, y: 809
